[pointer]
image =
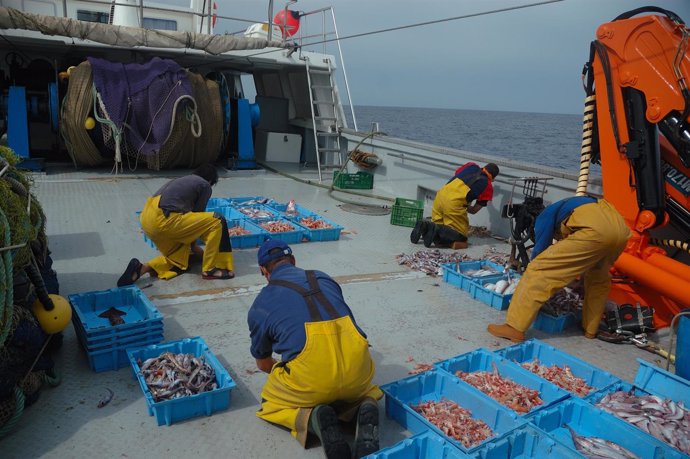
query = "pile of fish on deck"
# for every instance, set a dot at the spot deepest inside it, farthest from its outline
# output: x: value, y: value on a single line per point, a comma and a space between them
x: 430, y: 261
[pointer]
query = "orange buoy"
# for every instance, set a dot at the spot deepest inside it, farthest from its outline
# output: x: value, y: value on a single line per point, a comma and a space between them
x: 289, y: 27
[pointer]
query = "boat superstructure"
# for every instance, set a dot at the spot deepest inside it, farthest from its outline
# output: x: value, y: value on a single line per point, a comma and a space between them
x: 296, y: 89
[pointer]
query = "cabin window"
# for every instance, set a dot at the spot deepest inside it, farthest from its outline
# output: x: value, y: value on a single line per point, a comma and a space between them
x: 160, y: 24
x: 93, y: 16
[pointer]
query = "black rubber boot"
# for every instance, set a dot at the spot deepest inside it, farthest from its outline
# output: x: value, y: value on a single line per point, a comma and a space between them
x: 430, y: 234
x: 446, y: 235
x: 324, y: 423
x: 419, y: 229
x: 367, y: 430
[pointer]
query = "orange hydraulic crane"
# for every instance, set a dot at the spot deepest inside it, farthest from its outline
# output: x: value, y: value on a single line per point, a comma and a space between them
x: 637, y: 126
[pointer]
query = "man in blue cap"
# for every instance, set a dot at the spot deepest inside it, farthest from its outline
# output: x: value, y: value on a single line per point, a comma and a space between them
x: 325, y: 370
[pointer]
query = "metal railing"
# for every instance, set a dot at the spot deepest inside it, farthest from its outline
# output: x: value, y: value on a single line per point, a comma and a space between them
x: 324, y: 37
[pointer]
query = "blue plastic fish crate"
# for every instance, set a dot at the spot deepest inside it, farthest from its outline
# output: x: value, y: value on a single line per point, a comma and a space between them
x: 248, y: 200
x: 289, y: 237
x: 426, y: 445
x: 215, y: 203
x: 554, y: 324
x: 146, y: 239
x: 230, y: 213
x: 498, y: 301
x: 456, y: 273
x: 634, y: 390
x: 205, y: 403
x: 526, y: 442
x: 320, y: 235
x: 435, y: 385
x: 483, y: 360
x: 548, y: 355
x: 282, y: 207
x: 256, y: 238
x: 660, y: 382
x: 140, y: 313
x: 118, y: 340
x: 623, y: 386
x: 271, y: 214
x: 589, y: 421
x: 114, y: 358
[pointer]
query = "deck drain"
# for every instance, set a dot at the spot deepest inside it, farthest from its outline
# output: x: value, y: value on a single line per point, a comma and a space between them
x: 366, y: 210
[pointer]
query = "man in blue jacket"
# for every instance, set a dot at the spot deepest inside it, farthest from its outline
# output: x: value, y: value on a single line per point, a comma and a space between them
x: 592, y: 234
x: 325, y: 370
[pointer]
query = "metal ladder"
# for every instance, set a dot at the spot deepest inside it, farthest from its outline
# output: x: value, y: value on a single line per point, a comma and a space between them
x: 325, y: 116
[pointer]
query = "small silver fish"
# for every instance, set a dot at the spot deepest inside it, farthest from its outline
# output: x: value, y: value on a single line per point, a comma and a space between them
x: 598, y: 448
x: 105, y: 400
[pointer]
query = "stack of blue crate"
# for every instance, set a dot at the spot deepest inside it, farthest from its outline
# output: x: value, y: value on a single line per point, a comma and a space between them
x: 109, y: 322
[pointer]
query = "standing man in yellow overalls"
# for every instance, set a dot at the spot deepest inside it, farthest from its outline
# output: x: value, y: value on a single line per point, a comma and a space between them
x: 467, y: 192
x: 325, y: 370
x: 592, y: 235
x: 174, y: 218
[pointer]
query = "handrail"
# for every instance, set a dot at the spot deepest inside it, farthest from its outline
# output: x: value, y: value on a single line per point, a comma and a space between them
x: 142, y: 7
x: 342, y: 64
x: 313, y: 117
x: 325, y: 37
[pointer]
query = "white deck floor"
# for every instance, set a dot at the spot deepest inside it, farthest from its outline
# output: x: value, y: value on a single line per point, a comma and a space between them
x: 93, y: 233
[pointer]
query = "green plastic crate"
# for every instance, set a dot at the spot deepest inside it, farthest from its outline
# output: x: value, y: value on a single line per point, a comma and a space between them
x: 359, y: 181
x: 406, y: 212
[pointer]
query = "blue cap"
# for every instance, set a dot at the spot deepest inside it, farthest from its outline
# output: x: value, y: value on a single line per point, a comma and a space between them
x: 263, y: 256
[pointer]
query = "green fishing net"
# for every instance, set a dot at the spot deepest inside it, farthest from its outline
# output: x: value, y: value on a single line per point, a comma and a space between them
x: 27, y: 223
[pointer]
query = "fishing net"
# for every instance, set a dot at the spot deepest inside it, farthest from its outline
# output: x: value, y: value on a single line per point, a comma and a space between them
x: 6, y: 409
x: 184, y: 149
x: 75, y: 108
x: 21, y: 348
x: 188, y: 128
x: 33, y: 382
x: 24, y: 226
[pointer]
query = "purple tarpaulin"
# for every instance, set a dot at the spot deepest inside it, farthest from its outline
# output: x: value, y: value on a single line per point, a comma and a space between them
x: 151, y: 89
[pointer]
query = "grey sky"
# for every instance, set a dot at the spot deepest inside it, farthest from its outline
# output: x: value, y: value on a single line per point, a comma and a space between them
x: 524, y: 60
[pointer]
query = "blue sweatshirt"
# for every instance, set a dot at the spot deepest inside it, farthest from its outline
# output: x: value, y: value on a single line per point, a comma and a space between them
x: 551, y: 218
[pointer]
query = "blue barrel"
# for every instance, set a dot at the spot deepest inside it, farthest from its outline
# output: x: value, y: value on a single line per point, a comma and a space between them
x: 683, y: 346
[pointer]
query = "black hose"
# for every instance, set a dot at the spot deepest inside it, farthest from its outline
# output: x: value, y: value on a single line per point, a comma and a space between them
x: 650, y: 9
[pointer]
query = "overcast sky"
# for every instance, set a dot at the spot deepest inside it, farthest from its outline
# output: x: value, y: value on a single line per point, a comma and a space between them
x: 527, y: 60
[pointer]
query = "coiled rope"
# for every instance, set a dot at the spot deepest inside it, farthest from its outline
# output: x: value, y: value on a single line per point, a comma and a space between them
x: 685, y: 246
x: 586, y: 146
x: 6, y: 280
x: 19, y: 400
x: 360, y: 158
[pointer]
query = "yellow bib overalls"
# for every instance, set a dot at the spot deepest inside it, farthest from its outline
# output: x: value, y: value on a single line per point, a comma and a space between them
x: 334, y: 368
x: 174, y: 235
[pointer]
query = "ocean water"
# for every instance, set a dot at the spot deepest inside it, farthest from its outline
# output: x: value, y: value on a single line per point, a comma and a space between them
x: 547, y: 139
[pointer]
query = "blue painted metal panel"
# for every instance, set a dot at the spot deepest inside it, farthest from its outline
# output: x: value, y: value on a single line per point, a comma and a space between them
x: 245, y: 141
x: 18, y: 121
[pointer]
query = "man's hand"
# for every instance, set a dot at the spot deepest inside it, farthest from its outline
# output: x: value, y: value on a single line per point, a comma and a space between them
x: 474, y: 208
x: 266, y: 364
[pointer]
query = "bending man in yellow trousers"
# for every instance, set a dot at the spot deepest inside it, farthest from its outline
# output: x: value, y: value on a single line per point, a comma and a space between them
x: 174, y: 218
x: 467, y: 192
x: 325, y: 370
x: 592, y: 235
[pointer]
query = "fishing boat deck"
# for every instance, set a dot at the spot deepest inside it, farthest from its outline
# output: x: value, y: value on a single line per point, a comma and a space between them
x: 93, y: 233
